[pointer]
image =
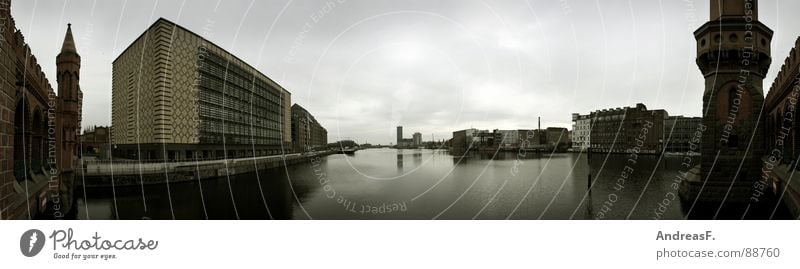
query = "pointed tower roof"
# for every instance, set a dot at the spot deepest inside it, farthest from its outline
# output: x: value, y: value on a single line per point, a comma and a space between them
x: 69, y: 42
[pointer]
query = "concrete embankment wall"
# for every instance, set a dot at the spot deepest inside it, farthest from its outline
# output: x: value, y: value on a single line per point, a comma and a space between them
x: 109, y: 174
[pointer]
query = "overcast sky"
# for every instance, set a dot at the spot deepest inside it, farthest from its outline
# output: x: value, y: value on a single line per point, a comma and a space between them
x: 364, y: 67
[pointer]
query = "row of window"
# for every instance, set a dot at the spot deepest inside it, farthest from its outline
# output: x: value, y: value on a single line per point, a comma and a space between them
x: 233, y: 108
x: 258, y: 95
x: 215, y: 73
x: 210, y: 111
x: 217, y: 99
x: 238, y: 140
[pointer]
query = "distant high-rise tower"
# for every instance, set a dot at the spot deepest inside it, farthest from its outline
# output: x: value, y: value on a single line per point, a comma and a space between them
x: 733, y: 53
x: 417, y: 138
x: 399, y: 135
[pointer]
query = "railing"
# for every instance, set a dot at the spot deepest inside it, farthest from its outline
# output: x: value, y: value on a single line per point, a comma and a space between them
x: 134, y: 167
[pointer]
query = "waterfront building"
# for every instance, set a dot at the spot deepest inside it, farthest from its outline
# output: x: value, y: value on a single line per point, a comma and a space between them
x: 682, y: 134
x: 35, y: 182
x: 463, y: 141
x: 569, y: 138
x: 524, y: 138
x: 95, y: 142
x: 532, y: 139
x: 406, y: 143
x: 417, y: 140
x: 581, y: 131
x: 621, y: 130
x: 307, y: 133
x: 557, y: 138
x: 399, y: 135
x: 507, y: 139
x: 487, y: 141
x: 194, y: 100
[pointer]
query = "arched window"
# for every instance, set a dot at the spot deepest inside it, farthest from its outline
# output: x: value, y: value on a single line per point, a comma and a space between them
x: 733, y: 138
x: 732, y: 98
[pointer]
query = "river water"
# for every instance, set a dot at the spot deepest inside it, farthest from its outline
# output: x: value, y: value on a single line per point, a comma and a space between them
x: 413, y: 184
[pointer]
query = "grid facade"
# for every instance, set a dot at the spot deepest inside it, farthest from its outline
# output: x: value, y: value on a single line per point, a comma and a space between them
x: 172, y: 88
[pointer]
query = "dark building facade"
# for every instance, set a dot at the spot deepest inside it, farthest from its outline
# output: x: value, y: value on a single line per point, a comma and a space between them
x: 733, y: 54
x: 95, y: 142
x: 532, y: 139
x: 682, y: 134
x: 307, y: 133
x: 399, y: 135
x: 40, y: 128
x: 459, y: 144
x: 417, y: 139
x: 621, y: 130
x: 557, y: 138
x: 463, y: 141
x: 781, y: 108
x: 782, y: 125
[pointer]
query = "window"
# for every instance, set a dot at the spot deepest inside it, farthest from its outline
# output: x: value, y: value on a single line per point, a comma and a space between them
x: 733, y: 141
x: 732, y: 100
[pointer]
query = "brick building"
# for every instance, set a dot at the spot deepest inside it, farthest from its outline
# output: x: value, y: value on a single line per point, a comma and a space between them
x: 95, y: 142
x: 733, y: 55
x: 557, y: 138
x: 40, y: 128
x: 621, y: 130
x: 682, y: 135
x: 781, y: 108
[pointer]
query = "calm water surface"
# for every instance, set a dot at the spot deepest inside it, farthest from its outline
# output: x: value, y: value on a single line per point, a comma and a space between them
x: 411, y: 184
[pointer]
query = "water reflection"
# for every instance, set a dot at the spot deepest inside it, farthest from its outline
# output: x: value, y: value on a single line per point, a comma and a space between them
x: 373, y: 185
x: 399, y: 162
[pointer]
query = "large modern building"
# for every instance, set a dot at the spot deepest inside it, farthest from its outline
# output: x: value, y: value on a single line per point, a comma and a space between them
x: 307, y: 133
x: 581, y: 131
x: 622, y: 130
x: 177, y: 96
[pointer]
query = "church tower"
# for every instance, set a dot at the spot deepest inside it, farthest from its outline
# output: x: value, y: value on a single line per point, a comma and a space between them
x: 68, y: 109
x: 733, y: 53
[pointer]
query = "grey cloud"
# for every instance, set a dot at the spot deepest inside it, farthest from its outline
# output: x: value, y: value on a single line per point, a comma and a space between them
x: 432, y: 66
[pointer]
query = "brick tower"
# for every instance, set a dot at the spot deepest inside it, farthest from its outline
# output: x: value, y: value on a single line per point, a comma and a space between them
x: 733, y: 53
x: 68, y: 118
